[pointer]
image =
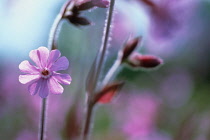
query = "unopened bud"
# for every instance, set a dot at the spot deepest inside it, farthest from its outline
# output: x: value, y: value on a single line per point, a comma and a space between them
x: 101, y: 3
x: 84, y: 6
x: 144, y: 61
x: 78, y: 20
x: 129, y: 47
x: 108, y: 92
x: 88, y: 4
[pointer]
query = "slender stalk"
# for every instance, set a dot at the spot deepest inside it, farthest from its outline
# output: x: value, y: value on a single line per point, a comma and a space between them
x: 53, y: 33
x: 104, y: 44
x: 51, y: 46
x: 42, y: 119
x: 111, y: 72
x: 53, y: 37
x: 99, y: 62
x: 86, y: 130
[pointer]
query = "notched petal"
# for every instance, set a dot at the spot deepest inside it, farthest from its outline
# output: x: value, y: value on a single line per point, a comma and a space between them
x: 55, y: 87
x: 40, y: 56
x: 26, y: 67
x: 61, y: 64
x: 44, y: 89
x: 28, y: 78
x: 64, y: 79
x: 54, y: 55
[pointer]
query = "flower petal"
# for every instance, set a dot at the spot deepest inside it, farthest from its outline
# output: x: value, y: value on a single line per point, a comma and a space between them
x: 28, y: 78
x: 39, y: 87
x: 54, y: 55
x: 34, y: 87
x: 55, y: 87
x: 44, y: 89
x: 62, y: 78
x: 26, y: 67
x: 61, y: 64
x: 40, y: 56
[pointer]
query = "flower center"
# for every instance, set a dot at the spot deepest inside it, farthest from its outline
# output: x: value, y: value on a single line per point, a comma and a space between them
x: 45, y: 73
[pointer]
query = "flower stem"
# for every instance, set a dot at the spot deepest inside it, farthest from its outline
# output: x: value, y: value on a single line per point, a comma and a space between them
x: 53, y: 34
x: 99, y: 62
x: 53, y: 37
x: 86, y: 129
x: 104, y: 44
x: 42, y: 119
x: 111, y: 72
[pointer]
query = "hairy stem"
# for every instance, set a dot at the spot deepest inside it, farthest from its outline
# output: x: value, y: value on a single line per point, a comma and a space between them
x: 53, y: 37
x: 105, y: 39
x: 42, y: 119
x: 99, y: 63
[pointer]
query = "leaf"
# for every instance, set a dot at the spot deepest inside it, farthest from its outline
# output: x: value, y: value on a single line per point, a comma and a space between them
x: 108, y: 92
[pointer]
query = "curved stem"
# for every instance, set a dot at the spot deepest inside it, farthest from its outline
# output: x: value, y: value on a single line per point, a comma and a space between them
x: 42, y: 119
x: 53, y: 33
x: 53, y: 37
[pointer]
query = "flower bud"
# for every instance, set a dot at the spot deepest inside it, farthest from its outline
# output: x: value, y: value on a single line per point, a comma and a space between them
x: 88, y: 4
x: 108, y: 93
x: 144, y: 61
x: 101, y: 3
x: 129, y: 47
x: 78, y: 21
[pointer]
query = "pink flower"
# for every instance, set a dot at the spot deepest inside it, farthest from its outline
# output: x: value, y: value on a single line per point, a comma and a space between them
x: 43, y: 78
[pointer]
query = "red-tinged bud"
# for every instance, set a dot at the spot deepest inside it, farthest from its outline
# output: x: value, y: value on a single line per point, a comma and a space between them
x: 88, y: 4
x: 78, y: 21
x: 108, y: 92
x: 129, y: 47
x: 101, y: 3
x: 85, y: 6
x: 144, y: 61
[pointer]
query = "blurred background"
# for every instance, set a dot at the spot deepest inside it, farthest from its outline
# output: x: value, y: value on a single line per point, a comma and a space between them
x: 169, y: 103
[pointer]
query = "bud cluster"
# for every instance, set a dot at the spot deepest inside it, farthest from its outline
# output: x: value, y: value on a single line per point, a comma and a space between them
x: 135, y: 59
x: 73, y: 12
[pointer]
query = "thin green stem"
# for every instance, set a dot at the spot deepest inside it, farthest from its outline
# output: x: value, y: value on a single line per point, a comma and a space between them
x: 53, y: 37
x: 42, y: 119
x: 105, y: 39
x: 87, y: 124
x: 99, y: 62
x: 111, y: 72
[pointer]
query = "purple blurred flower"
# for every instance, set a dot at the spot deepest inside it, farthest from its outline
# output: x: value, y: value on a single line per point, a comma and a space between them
x: 168, y: 16
x: 169, y: 23
x: 137, y: 118
x: 43, y: 78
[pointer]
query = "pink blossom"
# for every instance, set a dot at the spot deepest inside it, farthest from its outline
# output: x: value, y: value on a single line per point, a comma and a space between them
x: 43, y: 78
